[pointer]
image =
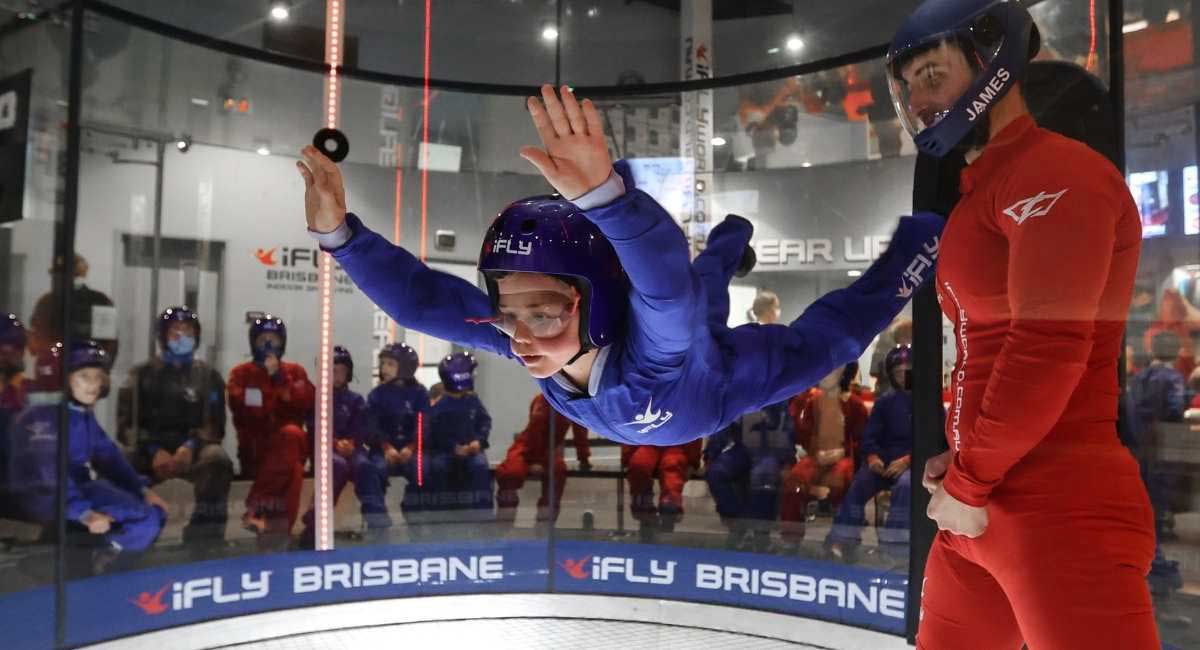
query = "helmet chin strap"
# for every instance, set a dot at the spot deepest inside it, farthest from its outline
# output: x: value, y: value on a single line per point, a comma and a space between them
x: 583, y: 349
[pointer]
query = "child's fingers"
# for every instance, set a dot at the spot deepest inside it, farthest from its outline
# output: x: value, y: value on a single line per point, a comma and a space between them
x: 595, y: 127
x: 313, y: 157
x: 307, y: 175
x: 539, y: 159
x: 555, y: 109
x: 574, y: 115
x: 541, y: 121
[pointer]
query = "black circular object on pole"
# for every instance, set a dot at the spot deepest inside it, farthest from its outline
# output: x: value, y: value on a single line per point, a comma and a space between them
x: 332, y: 143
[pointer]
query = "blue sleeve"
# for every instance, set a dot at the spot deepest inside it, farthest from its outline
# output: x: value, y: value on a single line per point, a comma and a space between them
x: 439, y: 433
x: 1175, y: 397
x: 358, y: 421
x: 110, y: 463
x: 483, y: 426
x: 845, y: 321
x: 874, y: 431
x: 838, y: 327
x: 376, y: 421
x: 77, y: 503
x: 416, y: 296
x: 654, y: 253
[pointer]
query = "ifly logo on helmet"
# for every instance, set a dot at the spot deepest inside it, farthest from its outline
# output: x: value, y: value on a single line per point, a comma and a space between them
x: 185, y: 595
x: 507, y: 245
x: 990, y: 92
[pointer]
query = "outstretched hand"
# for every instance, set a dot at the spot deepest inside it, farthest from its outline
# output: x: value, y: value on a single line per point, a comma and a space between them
x: 575, y: 159
x: 324, y: 193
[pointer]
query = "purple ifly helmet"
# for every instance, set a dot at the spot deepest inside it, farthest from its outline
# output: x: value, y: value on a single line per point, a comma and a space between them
x: 342, y: 356
x: 547, y: 234
x: 900, y: 355
x: 12, y: 331
x: 404, y: 355
x: 85, y: 353
x: 267, y: 323
x: 179, y: 314
x: 457, y: 372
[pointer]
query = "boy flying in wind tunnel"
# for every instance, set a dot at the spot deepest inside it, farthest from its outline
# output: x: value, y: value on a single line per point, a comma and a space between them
x: 593, y: 292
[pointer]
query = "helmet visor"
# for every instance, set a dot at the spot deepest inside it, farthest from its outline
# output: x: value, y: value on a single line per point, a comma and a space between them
x: 930, y: 80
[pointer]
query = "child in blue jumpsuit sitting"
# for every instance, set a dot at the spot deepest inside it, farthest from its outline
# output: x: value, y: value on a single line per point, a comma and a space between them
x: 456, y: 469
x: 395, y: 409
x: 744, y: 467
x: 887, y: 447
x: 595, y: 294
x: 349, y: 434
x: 104, y: 493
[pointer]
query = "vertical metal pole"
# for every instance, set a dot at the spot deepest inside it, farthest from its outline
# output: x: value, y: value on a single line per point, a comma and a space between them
x: 65, y: 250
x: 1116, y: 72
x: 935, y: 189
x: 558, y: 15
x: 156, y: 268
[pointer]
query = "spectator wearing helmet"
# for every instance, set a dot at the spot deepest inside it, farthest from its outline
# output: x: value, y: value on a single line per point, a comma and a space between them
x: 887, y: 449
x: 397, y: 412
x: 349, y: 435
x: 105, y: 495
x: 271, y: 399
x: 595, y: 294
x: 829, y: 421
x: 456, y: 472
x: 171, y: 412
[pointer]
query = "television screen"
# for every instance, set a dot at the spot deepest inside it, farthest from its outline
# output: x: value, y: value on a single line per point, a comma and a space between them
x: 1149, y: 191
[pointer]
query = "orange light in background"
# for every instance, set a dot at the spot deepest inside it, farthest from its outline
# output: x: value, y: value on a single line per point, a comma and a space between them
x: 323, y: 494
x: 1091, y: 58
x: 424, y: 251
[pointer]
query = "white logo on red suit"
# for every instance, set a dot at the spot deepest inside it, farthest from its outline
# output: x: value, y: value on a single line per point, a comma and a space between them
x: 1034, y: 206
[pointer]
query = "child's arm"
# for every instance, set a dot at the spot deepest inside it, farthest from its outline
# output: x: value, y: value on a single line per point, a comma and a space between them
x: 871, y: 449
x: 651, y: 247
x: 483, y: 426
x: 110, y: 463
x: 414, y: 295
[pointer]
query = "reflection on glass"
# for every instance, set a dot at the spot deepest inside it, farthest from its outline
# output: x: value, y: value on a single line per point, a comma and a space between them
x: 1150, y: 194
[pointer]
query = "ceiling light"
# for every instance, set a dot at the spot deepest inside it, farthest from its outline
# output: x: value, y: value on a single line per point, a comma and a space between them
x: 794, y: 44
x: 718, y: 141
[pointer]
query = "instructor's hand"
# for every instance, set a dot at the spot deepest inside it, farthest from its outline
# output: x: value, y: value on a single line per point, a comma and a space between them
x: 956, y: 517
x: 935, y: 471
x: 324, y: 194
x: 575, y: 159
